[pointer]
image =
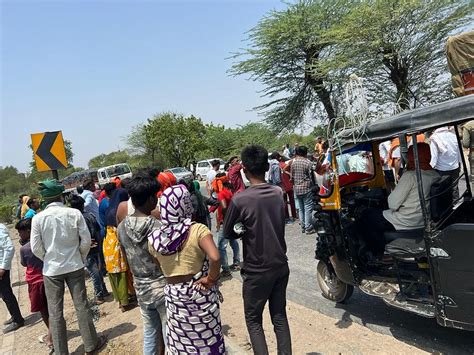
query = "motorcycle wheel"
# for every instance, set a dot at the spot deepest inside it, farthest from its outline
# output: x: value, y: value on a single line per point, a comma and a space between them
x: 331, y: 287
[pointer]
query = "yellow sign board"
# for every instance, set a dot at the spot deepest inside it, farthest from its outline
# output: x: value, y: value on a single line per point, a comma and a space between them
x: 48, y: 148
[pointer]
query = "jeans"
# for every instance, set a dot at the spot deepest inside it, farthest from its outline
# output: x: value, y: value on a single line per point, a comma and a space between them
x: 54, y: 287
x: 154, y: 321
x: 222, y: 246
x: 93, y: 265
x: 305, y: 209
x: 257, y: 289
x: 6, y: 293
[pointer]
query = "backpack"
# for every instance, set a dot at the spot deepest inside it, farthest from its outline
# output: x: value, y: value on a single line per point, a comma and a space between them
x: 274, y: 176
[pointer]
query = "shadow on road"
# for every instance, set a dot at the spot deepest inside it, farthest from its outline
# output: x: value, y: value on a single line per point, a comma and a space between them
x: 423, y: 333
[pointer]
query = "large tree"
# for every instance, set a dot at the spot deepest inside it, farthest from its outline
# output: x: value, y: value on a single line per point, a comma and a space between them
x: 172, y: 137
x: 120, y: 156
x: 398, y: 47
x: 287, y: 55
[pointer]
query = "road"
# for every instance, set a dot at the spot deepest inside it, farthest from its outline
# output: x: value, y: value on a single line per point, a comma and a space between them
x: 372, y: 312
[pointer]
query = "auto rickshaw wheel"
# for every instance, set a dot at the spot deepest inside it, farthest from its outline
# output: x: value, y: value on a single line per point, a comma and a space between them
x: 331, y: 287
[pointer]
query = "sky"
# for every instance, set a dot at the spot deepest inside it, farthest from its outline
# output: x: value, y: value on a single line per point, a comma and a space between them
x: 95, y: 69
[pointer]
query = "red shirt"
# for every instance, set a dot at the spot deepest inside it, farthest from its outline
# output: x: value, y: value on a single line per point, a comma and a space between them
x: 235, y: 178
x: 224, y: 195
x: 286, y: 184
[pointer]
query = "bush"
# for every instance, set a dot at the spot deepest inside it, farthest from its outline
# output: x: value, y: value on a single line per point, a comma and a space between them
x: 6, y: 213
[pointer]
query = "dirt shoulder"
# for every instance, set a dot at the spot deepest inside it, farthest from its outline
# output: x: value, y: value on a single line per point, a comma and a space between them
x: 311, y: 331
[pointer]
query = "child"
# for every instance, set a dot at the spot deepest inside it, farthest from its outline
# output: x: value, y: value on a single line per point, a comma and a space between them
x: 34, y: 277
x: 224, y: 190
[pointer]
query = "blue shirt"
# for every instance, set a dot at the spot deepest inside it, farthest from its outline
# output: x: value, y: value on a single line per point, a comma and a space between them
x: 104, y: 204
x: 30, y: 213
x: 91, y: 205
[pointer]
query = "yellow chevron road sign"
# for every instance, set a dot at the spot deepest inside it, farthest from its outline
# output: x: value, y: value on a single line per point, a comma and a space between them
x: 48, y: 148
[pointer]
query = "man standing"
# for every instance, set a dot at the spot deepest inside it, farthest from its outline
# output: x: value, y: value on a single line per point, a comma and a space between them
x: 93, y: 263
x: 445, y: 155
x: 274, y: 172
x: 259, y: 211
x: 59, y: 237
x: 6, y: 256
x: 235, y: 175
x: 34, y: 205
x: 211, y: 175
x: 148, y: 279
x: 302, y: 176
x: 91, y: 205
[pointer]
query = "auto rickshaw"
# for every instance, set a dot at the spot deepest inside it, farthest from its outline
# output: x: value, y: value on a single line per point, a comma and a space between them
x: 427, y: 271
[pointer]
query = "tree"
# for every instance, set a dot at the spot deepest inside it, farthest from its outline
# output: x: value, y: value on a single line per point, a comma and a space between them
x: 219, y: 142
x: 120, y: 156
x: 287, y: 54
x: 398, y: 47
x: 177, y: 139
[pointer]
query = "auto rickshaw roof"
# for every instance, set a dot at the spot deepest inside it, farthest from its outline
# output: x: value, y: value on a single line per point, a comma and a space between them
x: 423, y: 119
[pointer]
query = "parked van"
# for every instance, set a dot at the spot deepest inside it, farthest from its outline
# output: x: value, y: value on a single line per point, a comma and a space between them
x: 108, y: 173
x: 203, y: 167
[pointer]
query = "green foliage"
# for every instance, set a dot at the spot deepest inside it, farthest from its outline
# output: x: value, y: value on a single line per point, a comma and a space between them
x: 398, y: 47
x: 174, y: 138
x: 6, y: 213
x: 287, y: 53
x: 120, y: 156
x: 304, y: 53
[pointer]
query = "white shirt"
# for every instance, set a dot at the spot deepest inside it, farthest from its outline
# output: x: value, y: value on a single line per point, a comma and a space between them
x: 384, y: 149
x: 404, y: 202
x: 211, y: 175
x: 6, y: 248
x: 60, y: 237
x: 444, y: 150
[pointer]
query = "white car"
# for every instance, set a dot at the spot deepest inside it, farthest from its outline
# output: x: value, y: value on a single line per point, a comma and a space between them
x: 108, y: 173
x: 203, y: 167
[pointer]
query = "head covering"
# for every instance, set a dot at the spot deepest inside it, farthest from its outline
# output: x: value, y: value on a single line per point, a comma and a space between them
x: 218, y: 183
x: 50, y: 189
x: 176, y: 210
x: 24, y: 206
x: 197, y: 187
x: 424, y: 157
x: 119, y: 195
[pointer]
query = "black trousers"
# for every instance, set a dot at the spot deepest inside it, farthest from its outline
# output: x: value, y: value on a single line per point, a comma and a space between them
x: 371, y: 227
x: 257, y: 289
x: 454, y: 175
x: 9, y: 298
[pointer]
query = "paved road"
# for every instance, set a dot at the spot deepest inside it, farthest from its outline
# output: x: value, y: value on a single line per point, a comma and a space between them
x: 369, y: 311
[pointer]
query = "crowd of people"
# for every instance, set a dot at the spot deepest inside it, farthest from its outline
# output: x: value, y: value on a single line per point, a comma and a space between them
x: 152, y: 236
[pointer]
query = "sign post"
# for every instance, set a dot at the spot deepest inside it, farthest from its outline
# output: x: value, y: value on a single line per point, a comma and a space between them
x: 49, y: 152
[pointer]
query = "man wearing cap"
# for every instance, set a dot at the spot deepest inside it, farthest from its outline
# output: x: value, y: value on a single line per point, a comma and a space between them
x: 59, y: 237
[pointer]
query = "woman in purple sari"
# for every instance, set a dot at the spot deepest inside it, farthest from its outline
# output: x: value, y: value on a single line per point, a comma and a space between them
x: 190, y: 262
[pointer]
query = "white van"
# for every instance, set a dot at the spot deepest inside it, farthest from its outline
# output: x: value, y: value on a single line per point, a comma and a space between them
x: 108, y: 173
x: 203, y: 167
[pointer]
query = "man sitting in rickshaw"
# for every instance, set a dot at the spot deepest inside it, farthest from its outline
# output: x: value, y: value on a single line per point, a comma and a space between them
x: 404, y: 211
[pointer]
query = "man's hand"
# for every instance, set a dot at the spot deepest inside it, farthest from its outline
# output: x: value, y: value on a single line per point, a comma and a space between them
x: 2, y: 272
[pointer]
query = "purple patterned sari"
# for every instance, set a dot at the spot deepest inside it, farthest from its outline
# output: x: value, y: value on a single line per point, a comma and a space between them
x: 193, y: 316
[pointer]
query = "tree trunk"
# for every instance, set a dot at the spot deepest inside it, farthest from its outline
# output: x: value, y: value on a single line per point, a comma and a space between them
x: 398, y: 76
x: 316, y: 80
